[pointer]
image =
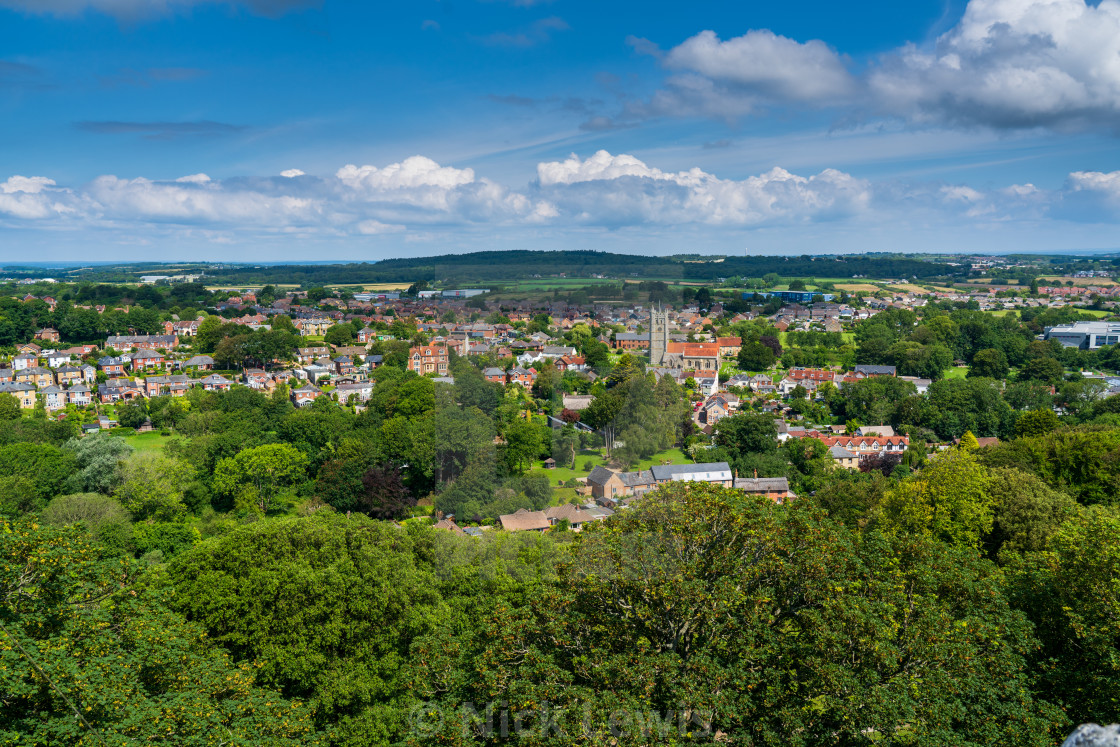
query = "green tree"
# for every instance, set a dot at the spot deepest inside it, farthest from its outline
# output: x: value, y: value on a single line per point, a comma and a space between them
x: 95, y: 511
x: 91, y: 655
x: 9, y: 407
x: 151, y: 486
x: 1036, y: 423
x: 948, y: 501
x: 1027, y: 512
x: 1046, y: 370
x: 339, y: 335
x: 97, y: 458
x: 325, y: 607
x: 255, y: 477
x: 755, y: 356
x: 989, y: 363
x: 525, y: 441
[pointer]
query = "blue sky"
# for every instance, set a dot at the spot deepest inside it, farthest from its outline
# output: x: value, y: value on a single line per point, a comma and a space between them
x: 295, y: 129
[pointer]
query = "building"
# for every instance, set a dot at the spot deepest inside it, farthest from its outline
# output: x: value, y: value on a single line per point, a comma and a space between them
x: 868, y: 370
x: 631, y: 341
x: 607, y: 484
x: 142, y: 342
x: 774, y: 488
x: 54, y: 398
x: 1084, y: 335
x: 658, y: 336
x: 426, y: 359
x: 25, y: 393
x: 714, y: 472
x: 79, y: 395
x: 524, y: 520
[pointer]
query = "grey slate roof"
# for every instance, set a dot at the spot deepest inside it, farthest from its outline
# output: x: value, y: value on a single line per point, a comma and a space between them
x: 707, y: 471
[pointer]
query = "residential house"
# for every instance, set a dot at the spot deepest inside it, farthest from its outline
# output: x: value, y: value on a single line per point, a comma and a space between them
x: 216, y: 383
x: 113, y: 365
x: 523, y: 376
x: 176, y: 386
x: 577, y: 402
x: 7, y: 375
x: 117, y: 390
x: 56, y: 358
x: 311, y: 354
x: 631, y: 341
x: 524, y: 520
x: 426, y: 359
x: 863, y: 370
x: 863, y: 445
x: 37, y: 376
x: 79, y: 395
x: 774, y: 488
x: 363, y: 390
x: 575, y: 516
x: 29, y: 348
x: 25, y: 393
x: 611, y: 485
x: 843, y: 457
x: 344, y: 365
x: 24, y: 360
x: 305, y: 395
x: 258, y: 379
x: 187, y: 328
x: 729, y: 346
x: 142, y: 342
x: 199, y: 363
x: 145, y: 360
x: 366, y: 335
x: 718, y: 473
x: 54, y: 398
x: 494, y: 374
x: 49, y: 334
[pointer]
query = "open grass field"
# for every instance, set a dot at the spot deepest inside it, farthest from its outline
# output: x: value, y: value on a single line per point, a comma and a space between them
x: 359, y: 287
x: 1063, y: 279
x: 148, y: 442
x: 250, y: 286
x: 957, y: 372
x: 857, y: 287
x: 1098, y: 313
x: 908, y: 287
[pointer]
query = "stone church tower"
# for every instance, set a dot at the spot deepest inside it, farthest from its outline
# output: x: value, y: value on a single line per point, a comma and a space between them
x: 658, y: 335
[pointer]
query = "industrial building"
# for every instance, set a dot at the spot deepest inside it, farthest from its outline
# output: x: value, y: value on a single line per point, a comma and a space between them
x: 1084, y: 335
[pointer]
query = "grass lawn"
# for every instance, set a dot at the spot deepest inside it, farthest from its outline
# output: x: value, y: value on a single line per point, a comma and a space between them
x: 1004, y: 312
x: 957, y: 372
x: 147, y: 442
x: 1098, y: 313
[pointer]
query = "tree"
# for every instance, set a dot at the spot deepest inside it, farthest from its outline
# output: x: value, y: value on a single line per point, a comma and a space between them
x: 339, y: 335
x: 282, y: 323
x: 132, y: 414
x: 947, y: 501
x: 95, y: 511
x: 9, y: 407
x: 989, y: 363
x: 1036, y: 423
x: 525, y: 441
x: 209, y: 334
x: 325, y: 608
x: 384, y: 495
x: 755, y: 356
x: 1027, y: 512
x: 1046, y: 370
x: 764, y: 624
x: 151, y: 486
x: 255, y: 477
x: 90, y: 648
x: 97, y: 458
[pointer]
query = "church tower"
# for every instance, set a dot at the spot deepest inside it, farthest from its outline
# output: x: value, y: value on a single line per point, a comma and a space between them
x: 658, y: 335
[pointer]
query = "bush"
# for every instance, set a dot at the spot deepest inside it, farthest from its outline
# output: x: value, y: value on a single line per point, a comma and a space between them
x: 588, y: 465
x: 122, y: 431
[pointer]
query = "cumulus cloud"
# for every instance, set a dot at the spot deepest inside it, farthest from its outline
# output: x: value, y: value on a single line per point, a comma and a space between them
x: 1012, y: 63
x: 1006, y: 64
x: 609, y: 189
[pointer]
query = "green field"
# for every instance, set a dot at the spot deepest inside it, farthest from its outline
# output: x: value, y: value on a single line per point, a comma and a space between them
x: 957, y: 372
x: 148, y: 442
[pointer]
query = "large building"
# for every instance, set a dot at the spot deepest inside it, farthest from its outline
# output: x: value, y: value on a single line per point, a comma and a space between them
x: 1084, y: 335
x: 658, y: 336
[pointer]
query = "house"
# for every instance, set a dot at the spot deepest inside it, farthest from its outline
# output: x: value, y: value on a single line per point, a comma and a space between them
x: 142, y: 342
x: 182, y: 328
x: 713, y: 472
x: 774, y: 488
x: 843, y: 457
x: 607, y: 484
x: 25, y: 393
x: 257, y: 379
x: 425, y: 359
x: 24, y: 360
x: 117, y: 390
x: 79, y: 395
x: 715, y: 409
x: 631, y: 341
x: 145, y: 360
x: 113, y: 365
x: 494, y: 374
x: 56, y: 358
x: 449, y: 525
x: 37, y: 375
x: 54, y: 398
x: 524, y: 520
x: 199, y: 363
x: 29, y: 348
x: 344, y: 365
x: 305, y: 395
x: 865, y: 444
x: 7, y: 375
x: 311, y: 354
x: 49, y: 334
x: 577, y: 402
x: 216, y: 383
x: 366, y: 335
x: 575, y: 515
x: 867, y: 370
x: 523, y: 376
x: 729, y: 346
x: 875, y: 430
x: 176, y: 386
x: 363, y: 390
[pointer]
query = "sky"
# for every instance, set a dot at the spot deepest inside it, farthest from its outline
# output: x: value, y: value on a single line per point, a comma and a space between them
x: 288, y: 130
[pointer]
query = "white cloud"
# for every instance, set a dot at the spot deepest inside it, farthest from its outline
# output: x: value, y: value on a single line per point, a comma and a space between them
x: 28, y: 184
x: 607, y: 189
x: 763, y: 62
x: 291, y: 173
x: 1006, y: 64
x: 1107, y: 185
x: 413, y: 172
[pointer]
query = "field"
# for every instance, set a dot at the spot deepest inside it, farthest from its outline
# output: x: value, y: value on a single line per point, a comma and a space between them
x: 908, y: 287
x: 857, y: 287
x: 248, y: 286
x: 957, y: 372
x: 1076, y: 281
x: 359, y: 287
x: 148, y: 442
